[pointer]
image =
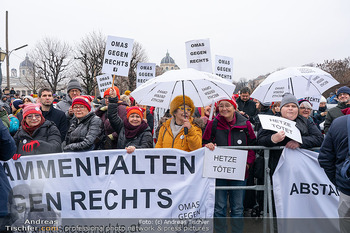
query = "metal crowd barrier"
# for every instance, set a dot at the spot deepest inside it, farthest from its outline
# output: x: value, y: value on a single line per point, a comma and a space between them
x: 267, y: 187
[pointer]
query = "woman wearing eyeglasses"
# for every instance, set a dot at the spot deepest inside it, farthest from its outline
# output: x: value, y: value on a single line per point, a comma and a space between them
x: 172, y: 132
x: 86, y: 131
x: 36, y: 135
x: 229, y: 128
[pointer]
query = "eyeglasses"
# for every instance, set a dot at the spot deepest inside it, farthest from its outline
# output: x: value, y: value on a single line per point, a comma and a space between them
x: 187, y: 109
x: 77, y: 107
x: 225, y: 105
x: 32, y: 116
x: 303, y: 108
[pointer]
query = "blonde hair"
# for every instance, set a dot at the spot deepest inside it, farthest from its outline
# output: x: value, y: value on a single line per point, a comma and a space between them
x: 125, y: 99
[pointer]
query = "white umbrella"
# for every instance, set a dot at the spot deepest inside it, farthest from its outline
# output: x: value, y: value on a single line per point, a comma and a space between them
x: 300, y: 81
x: 201, y: 87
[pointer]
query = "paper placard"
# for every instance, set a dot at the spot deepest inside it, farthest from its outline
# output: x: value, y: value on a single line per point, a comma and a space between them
x: 277, y: 124
x: 198, y: 55
x: 104, y: 82
x: 117, y: 56
x: 224, y: 67
x: 225, y: 163
x: 145, y: 71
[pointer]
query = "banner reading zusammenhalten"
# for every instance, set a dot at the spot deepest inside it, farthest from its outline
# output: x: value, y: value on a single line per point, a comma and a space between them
x: 150, y: 183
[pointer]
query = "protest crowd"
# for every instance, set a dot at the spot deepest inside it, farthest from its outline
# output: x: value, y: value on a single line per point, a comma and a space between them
x: 46, y: 123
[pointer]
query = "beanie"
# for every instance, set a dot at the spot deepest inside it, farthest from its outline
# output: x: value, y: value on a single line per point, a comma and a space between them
x: 31, y: 109
x: 305, y: 100
x: 16, y: 103
x: 108, y: 91
x: 31, y: 99
x: 127, y: 92
x: 231, y: 101
x: 288, y: 98
x: 139, y: 111
x: 343, y: 89
x: 323, y: 99
x: 179, y: 101
x: 73, y: 84
x: 83, y: 100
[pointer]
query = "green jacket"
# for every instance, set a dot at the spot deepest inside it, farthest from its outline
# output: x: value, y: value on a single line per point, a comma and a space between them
x: 4, y: 118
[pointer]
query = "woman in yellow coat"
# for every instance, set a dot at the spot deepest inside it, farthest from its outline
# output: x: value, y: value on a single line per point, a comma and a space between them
x: 172, y: 133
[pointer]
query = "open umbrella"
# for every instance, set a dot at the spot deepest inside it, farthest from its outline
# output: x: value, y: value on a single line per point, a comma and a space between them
x: 300, y: 81
x: 201, y: 87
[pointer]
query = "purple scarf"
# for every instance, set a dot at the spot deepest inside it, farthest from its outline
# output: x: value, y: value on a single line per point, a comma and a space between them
x: 133, y: 131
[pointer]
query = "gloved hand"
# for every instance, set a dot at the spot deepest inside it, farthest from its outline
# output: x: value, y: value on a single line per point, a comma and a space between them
x: 30, y: 146
x: 16, y: 156
x: 104, y: 108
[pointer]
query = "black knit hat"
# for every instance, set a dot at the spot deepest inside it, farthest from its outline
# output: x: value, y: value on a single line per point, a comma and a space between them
x: 73, y: 84
x: 343, y: 89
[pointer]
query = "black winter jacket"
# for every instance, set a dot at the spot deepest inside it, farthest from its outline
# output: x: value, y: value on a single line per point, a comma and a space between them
x: 248, y: 107
x: 85, y: 134
x: 334, y: 151
x: 59, y: 118
x: 310, y: 135
x: 142, y: 140
x: 334, y: 113
x: 47, y: 135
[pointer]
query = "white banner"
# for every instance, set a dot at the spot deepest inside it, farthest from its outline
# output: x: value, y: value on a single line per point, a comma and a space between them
x: 104, y: 82
x: 145, y: 71
x: 117, y: 56
x: 198, y: 55
x: 302, y: 190
x: 150, y: 183
x: 225, y: 163
x: 277, y: 124
x: 224, y: 67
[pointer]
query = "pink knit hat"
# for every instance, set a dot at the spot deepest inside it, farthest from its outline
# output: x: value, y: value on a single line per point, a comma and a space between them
x: 83, y: 100
x: 31, y: 109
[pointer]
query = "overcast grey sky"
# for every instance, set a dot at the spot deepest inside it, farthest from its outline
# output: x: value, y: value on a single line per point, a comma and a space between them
x: 260, y: 35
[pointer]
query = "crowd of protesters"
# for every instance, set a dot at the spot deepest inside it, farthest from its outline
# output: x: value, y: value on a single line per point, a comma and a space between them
x: 34, y: 125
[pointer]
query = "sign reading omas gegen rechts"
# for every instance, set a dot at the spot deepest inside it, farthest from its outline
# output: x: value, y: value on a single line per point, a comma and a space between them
x: 117, y: 56
x: 224, y: 67
x: 145, y: 71
x: 104, y: 82
x: 198, y: 55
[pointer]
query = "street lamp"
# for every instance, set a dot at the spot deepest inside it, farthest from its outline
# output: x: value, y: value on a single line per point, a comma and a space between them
x: 8, y: 63
x: 2, y: 58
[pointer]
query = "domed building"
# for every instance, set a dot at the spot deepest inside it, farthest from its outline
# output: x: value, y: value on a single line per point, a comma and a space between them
x: 168, y: 63
x: 26, y: 68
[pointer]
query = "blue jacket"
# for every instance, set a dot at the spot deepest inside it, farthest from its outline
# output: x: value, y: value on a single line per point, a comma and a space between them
x: 7, y: 149
x: 333, y: 153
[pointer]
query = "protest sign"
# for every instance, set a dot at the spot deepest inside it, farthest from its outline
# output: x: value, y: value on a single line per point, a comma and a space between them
x: 117, y: 56
x: 198, y: 55
x: 224, y: 67
x: 302, y: 190
x: 145, y: 71
x: 113, y: 184
x: 104, y: 82
x: 225, y: 163
x: 277, y: 124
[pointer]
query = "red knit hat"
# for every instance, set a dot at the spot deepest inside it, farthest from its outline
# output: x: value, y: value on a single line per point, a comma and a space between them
x: 139, y: 111
x: 109, y: 89
x: 83, y: 100
x: 232, y: 101
x: 31, y: 109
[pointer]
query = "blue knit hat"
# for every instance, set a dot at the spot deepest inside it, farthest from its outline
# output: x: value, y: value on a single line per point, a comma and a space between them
x: 16, y: 103
x: 343, y: 89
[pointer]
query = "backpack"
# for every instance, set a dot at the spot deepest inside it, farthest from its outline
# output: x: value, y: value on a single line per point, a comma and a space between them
x: 14, y: 124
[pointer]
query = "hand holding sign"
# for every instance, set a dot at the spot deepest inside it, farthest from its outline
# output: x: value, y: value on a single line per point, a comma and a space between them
x: 112, y: 93
x: 278, y: 137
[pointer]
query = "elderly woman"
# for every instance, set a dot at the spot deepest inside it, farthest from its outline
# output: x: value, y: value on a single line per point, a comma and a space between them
x: 310, y: 135
x: 172, y: 133
x: 133, y: 132
x: 229, y: 128
x: 86, y: 131
x: 36, y: 135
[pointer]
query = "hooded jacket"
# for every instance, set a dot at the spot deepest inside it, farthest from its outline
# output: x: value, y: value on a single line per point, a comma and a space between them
x: 47, y: 135
x: 85, y: 134
x: 311, y: 137
x: 190, y: 142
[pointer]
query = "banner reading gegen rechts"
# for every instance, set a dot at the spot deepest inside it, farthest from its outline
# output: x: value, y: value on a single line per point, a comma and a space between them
x: 150, y: 183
